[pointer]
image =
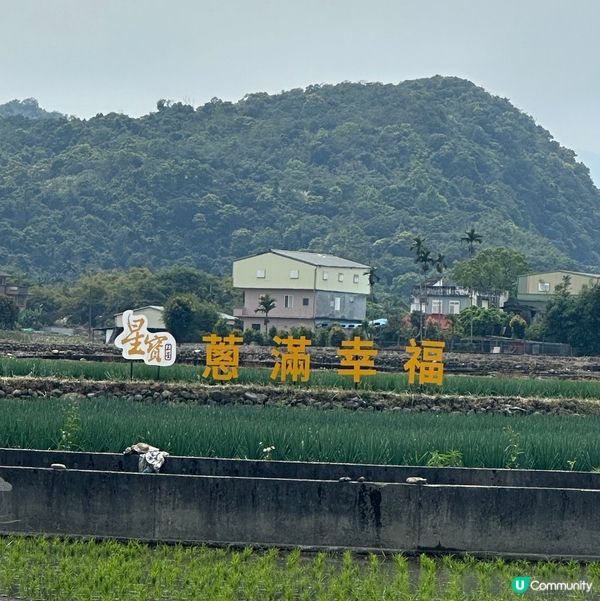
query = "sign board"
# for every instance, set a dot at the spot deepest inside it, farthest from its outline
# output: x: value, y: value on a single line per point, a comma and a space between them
x: 138, y: 344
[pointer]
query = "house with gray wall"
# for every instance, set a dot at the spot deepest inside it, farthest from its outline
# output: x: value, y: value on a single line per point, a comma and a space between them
x: 441, y: 296
x: 310, y: 289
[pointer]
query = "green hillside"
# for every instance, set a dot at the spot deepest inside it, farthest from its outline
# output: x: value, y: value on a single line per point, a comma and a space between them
x: 353, y: 169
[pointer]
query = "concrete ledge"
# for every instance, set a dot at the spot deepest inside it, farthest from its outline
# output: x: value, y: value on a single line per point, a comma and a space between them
x: 211, y: 466
x: 527, y: 521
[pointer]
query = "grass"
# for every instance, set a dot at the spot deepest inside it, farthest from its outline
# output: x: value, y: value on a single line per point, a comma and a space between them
x: 300, y: 433
x: 55, y: 569
x: 395, y: 382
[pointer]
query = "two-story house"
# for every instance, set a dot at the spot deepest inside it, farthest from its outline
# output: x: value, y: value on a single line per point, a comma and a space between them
x: 310, y: 289
x: 18, y: 294
x: 440, y: 297
x: 534, y: 290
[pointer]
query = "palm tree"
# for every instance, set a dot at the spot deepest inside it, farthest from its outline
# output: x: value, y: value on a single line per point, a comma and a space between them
x: 265, y: 305
x: 471, y: 238
x: 425, y: 259
x: 423, y: 256
x: 440, y: 263
x: 373, y: 279
x: 418, y: 245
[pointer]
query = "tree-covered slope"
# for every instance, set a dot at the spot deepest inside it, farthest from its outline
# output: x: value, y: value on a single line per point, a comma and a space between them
x: 352, y: 169
x: 27, y: 108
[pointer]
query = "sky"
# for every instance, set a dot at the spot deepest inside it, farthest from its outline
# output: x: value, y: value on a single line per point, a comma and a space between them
x: 83, y: 57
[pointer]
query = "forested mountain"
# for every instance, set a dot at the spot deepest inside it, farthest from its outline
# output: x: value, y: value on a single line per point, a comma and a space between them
x: 350, y: 169
x: 27, y: 108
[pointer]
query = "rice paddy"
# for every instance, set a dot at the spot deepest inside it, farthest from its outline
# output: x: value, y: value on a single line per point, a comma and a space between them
x: 394, y: 382
x: 304, y: 434
x: 52, y: 569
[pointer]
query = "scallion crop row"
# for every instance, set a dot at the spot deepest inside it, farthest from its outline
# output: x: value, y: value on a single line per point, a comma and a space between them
x: 301, y: 433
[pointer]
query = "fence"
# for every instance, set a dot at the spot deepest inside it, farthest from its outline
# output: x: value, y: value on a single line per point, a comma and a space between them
x: 501, y: 345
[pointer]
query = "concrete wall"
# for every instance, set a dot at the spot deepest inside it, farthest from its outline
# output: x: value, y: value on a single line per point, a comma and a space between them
x: 275, y: 271
x: 211, y: 466
x: 528, y: 286
x: 262, y: 511
x: 154, y: 316
x: 519, y: 521
x: 353, y: 307
x: 328, y: 279
x: 297, y: 311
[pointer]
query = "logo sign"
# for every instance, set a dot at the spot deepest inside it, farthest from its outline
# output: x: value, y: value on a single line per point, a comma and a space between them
x: 137, y: 343
x: 520, y: 584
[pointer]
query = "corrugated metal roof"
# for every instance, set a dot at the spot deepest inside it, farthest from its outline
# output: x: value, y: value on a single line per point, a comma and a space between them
x: 567, y: 271
x: 157, y: 307
x: 318, y: 259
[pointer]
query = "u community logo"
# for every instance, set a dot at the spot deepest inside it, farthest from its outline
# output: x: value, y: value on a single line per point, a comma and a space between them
x: 520, y: 584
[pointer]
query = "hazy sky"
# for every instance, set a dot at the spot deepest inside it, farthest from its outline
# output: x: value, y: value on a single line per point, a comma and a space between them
x: 82, y: 57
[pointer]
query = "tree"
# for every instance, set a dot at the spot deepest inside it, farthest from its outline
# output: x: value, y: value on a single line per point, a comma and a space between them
x: 471, y: 238
x: 494, y: 270
x: 373, y: 279
x: 440, y: 263
x: 265, y: 305
x: 484, y: 322
x: 573, y: 320
x: 585, y: 334
x: 425, y: 260
x: 188, y: 318
x: 9, y: 313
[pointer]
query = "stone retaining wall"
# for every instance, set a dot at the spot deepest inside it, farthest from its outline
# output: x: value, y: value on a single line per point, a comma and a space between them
x: 162, y: 392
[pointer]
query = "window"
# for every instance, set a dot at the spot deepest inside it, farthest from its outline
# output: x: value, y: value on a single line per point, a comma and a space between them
x: 543, y: 286
x: 436, y: 307
x: 337, y: 303
x: 454, y: 307
x: 355, y: 278
x: 325, y: 275
x: 340, y: 277
x: 305, y: 302
x: 294, y: 274
x: 256, y: 326
x: 261, y: 273
x: 288, y: 301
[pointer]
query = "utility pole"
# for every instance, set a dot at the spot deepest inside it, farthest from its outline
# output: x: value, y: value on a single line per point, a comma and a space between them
x: 90, y: 312
x: 471, y: 293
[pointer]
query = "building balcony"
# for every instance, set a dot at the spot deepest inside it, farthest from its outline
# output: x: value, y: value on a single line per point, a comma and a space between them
x: 429, y: 291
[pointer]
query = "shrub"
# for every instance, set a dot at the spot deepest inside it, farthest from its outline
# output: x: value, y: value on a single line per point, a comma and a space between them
x: 336, y: 335
x: 321, y: 337
x: 251, y: 335
x: 518, y: 325
x: 221, y: 327
x: 299, y: 331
